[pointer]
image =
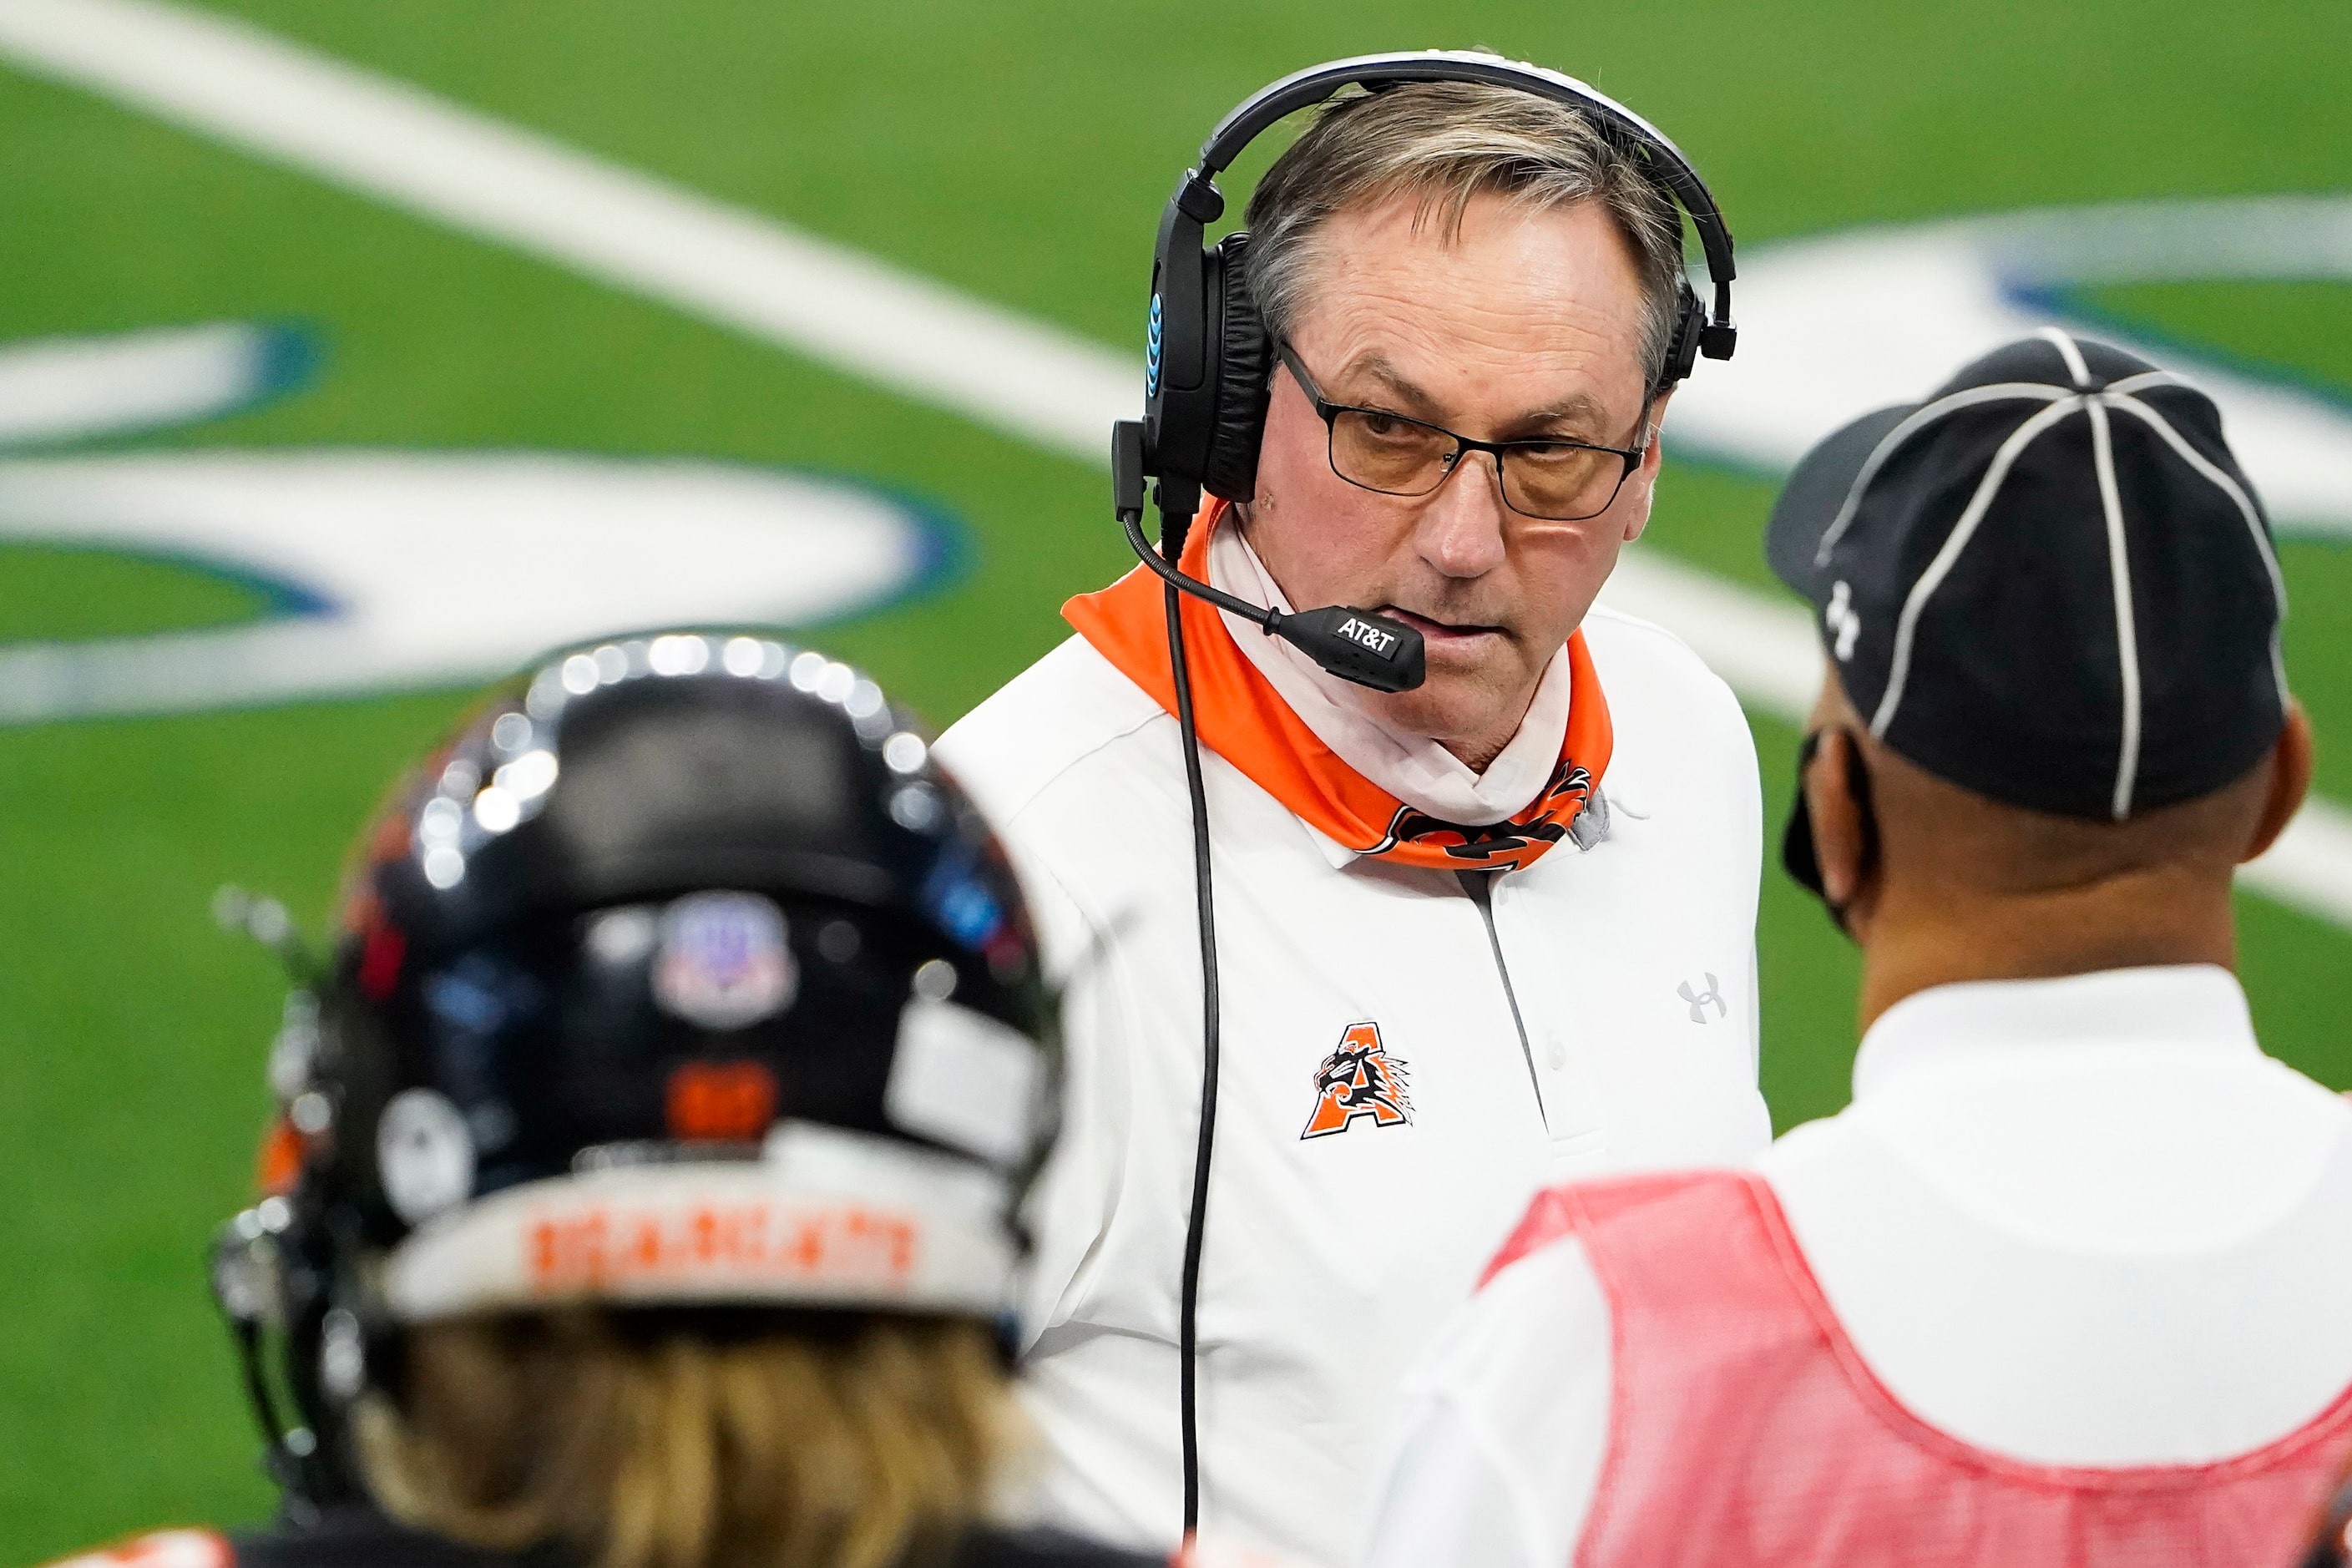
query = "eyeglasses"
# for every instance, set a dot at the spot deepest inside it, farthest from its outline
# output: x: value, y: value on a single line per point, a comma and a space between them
x: 1555, y: 480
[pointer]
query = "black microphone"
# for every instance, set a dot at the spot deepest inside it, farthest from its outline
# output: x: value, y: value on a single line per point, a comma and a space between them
x: 1354, y: 645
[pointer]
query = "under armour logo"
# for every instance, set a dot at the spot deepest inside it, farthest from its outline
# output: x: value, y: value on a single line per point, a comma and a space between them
x: 1841, y: 618
x: 1699, y: 999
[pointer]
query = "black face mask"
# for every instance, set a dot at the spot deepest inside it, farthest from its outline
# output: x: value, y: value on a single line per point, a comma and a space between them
x: 1798, y: 855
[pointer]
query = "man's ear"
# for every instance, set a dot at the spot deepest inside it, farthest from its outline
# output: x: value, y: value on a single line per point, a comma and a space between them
x: 1652, y: 423
x: 1840, y: 832
x: 2290, y: 781
x: 1654, y: 453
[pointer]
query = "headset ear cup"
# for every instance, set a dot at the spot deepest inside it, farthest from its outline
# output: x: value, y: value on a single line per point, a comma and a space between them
x: 1244, y: 358
x: 1682, y: 349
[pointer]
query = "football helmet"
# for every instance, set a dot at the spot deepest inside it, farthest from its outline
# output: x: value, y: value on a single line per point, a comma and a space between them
x: 680, y: 977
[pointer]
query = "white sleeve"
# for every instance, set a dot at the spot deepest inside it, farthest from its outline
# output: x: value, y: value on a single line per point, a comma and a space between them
x: 1071, y: 1202
x: 992, y: 755
x: 1507, y: 1426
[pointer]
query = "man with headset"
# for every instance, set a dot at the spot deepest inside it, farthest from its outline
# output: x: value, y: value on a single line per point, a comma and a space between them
x: 1372, y: 925
x: 2068, y: 1280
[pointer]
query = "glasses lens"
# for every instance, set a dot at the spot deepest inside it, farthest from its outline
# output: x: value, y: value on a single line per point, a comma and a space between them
x: 1562, y: 482
x: 1383, y: 452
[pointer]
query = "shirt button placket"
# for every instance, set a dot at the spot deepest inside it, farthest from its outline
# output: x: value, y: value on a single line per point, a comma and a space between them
x: 1537, y: 990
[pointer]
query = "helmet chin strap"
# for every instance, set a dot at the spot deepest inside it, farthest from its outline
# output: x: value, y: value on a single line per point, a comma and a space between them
x: 266, y: 1288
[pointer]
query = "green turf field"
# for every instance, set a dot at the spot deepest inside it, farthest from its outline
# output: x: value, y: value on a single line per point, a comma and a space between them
x: 1020, y: 151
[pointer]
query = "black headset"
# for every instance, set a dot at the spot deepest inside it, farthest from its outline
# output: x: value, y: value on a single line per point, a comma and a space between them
x: 1208, y: 364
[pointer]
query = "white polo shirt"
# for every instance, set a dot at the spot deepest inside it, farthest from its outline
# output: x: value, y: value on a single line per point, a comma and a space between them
x: 1331, y: 1259
x: 2076, y: 1222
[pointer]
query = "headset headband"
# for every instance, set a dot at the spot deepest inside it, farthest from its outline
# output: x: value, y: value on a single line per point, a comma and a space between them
x: 1305, y: 88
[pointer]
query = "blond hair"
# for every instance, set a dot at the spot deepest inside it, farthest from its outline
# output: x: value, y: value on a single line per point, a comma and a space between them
x: 663, y: 1441
x: 1442, y: 143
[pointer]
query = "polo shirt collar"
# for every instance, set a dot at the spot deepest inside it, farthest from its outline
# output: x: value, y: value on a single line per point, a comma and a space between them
x: 2195, y: 1007
x: 1337, y: 853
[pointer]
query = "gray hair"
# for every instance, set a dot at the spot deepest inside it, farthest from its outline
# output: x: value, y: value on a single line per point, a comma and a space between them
x: 1444, y: 142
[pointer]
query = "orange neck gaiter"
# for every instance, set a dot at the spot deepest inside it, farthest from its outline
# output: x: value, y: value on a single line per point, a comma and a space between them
x: 1244, y: 721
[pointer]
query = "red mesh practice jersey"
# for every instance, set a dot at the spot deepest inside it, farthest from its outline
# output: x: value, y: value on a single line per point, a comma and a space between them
x: 1747, y: 1431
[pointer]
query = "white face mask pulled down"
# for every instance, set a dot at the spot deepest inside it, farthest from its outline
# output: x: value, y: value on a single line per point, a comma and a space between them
x: 1414, y: 768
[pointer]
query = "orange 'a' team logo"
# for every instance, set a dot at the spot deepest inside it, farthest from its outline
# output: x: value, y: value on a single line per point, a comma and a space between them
x: 1359, y: 1081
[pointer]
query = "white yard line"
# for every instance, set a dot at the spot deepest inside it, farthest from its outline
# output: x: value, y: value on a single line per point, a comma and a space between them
x: 500, y: 182
x: 748, y: 271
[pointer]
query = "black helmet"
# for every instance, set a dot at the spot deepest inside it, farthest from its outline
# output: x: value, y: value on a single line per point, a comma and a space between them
x: 681, y: 976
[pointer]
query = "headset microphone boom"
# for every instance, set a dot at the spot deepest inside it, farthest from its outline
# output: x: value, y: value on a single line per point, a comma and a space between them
x: 1207, y: 371
x: 1354, y: 645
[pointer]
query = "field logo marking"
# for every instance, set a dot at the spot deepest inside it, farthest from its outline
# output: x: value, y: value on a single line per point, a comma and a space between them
x: 386, y: 568
x: 58, y: 390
